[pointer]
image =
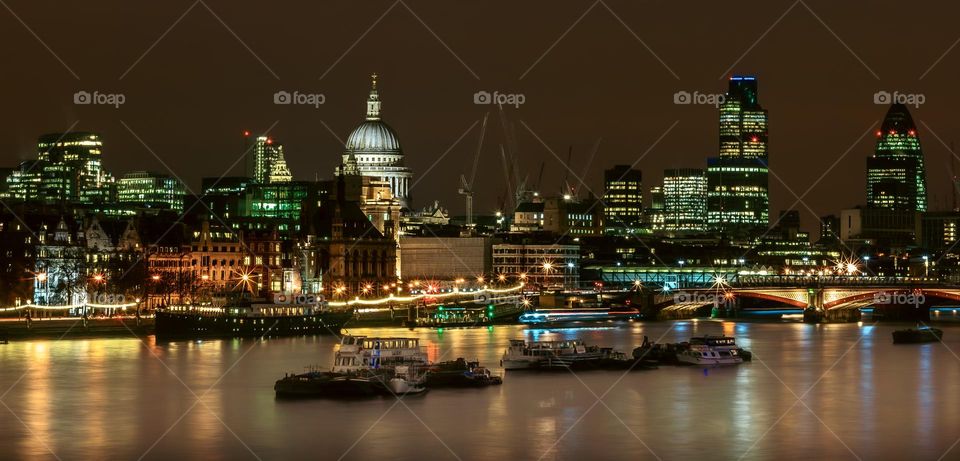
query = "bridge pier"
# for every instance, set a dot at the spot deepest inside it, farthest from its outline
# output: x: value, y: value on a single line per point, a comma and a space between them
x: 812, y: 315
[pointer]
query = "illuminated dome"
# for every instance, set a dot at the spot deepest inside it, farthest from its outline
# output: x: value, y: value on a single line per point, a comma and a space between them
x: 373, y: 149
x: 373, y: 136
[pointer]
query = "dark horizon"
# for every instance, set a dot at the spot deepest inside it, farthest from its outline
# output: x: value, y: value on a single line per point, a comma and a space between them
x: 190, y: 97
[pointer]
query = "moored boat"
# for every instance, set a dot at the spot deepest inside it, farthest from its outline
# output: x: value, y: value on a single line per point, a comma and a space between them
x: 363, y: 367
x: 722, y: 343
x: 327, y: 384
x: 254, y: 320
x: 521, y: 355
x: 707, y: 356
x: 460, y: 373
x: 920, y: 335
x: 406, y: 380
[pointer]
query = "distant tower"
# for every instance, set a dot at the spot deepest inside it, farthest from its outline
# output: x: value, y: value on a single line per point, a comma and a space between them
x: 896, y: 177
x: 265, y: 161
x: 738, y: 180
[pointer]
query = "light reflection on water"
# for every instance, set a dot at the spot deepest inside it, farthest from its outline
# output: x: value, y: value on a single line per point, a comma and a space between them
x: 113, y: 399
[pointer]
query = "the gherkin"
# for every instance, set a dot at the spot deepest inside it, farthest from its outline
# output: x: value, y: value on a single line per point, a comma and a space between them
x: 896, y: 178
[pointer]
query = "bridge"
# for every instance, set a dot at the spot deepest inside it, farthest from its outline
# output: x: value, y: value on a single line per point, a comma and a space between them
x: 833, y: 297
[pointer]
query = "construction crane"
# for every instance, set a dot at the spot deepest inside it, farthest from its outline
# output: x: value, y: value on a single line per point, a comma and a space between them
x: 466, y: 187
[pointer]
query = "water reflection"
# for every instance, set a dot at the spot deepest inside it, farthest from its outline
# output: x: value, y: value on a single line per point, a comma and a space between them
x: 115, y: 398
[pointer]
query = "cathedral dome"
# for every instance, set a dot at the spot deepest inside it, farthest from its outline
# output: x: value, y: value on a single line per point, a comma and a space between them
x: 373, y: 136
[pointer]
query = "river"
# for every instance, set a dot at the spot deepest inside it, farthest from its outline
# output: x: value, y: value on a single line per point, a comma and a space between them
x: 830, y: 391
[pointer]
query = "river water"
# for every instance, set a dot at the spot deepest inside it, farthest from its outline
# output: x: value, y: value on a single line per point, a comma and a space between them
x: 859, y: 397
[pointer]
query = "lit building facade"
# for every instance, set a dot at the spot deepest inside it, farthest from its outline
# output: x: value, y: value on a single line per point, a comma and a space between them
x: 623, y: 199
x: 684, y: 200
x: 68, y: 169
x: 374, y: 149
x: 542, y: 265
x: 151, y: 190
x: 896, y: 177
x: 654, y: 217
x: 738, y: 199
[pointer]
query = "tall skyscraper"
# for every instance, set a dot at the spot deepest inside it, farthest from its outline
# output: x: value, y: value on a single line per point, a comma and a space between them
x: 623, y: 199
x: 68, y: 169
x: 896, y: 178
x: 265, y: 161
x: 151, y: 190
x: 738, y: 200
x: 373, y: 149
x: 684, y: 200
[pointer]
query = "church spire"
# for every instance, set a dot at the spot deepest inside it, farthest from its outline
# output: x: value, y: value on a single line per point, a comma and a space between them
x: 373, y: 101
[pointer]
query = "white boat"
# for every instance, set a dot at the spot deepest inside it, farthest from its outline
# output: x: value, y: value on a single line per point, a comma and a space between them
x: 406, y: 380
x: 360, y: 353
x: 708, y: 356
x: 722, y: 343
x: 521, y: 354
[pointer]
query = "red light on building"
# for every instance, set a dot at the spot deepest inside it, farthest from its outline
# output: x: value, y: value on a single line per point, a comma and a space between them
x: 269, y: 140
x: 913, y: 132
x: 879, y: 133
x: 754, y: 139
x: 246, y: 133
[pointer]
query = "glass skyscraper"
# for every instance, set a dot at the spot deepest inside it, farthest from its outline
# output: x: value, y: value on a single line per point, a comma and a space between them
x: 896, y: 178
x: 623, y: 199
x: 68, y: 169
x: 685, y: 200
x: 738, y: 199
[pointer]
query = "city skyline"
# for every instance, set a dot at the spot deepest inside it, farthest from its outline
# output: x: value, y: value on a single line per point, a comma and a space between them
x: 264, y: 160
x: 606, y: 229
x: 432, y: 113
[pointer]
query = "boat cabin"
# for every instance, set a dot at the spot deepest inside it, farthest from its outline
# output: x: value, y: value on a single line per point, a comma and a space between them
x: 362, y: 353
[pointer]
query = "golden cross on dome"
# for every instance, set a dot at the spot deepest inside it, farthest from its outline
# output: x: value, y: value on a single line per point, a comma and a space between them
x: 373, y: 77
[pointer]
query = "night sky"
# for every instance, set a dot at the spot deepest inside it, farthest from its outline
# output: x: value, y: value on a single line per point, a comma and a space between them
x: 190, y: 94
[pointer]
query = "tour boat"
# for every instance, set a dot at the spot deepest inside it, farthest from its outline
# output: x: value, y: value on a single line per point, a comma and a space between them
x: 363, y: 366
x: 707, y: 356
x: 358, y: 353
x: 920, y: 335
x: 522, y: 355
